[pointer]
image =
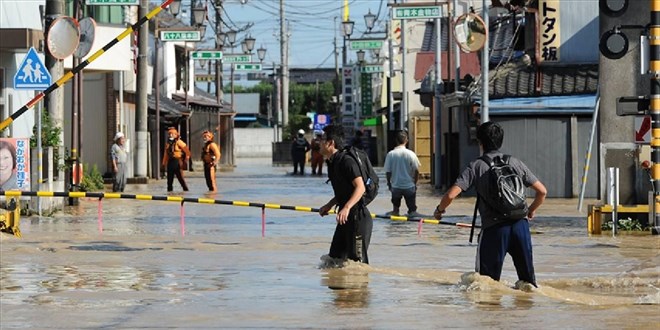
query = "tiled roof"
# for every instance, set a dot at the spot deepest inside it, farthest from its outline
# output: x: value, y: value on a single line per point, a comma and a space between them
x: 520, y: 80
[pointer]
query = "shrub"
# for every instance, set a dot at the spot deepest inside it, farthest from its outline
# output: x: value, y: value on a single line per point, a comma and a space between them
x: 92, y: 179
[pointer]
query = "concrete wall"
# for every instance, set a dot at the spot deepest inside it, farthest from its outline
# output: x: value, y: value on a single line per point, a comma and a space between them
x: 254, y: 142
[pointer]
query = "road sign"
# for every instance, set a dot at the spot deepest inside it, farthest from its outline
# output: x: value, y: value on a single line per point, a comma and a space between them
x: 366, y: 44
x: 206, y: 55
x: 205, y: 77
x: 190, y: 35
x: 371, y: 68
x: 113, y: 2
x: 32, y: 73
x: 233, y: 58
x: 247, y: 67
x: 418, y: 12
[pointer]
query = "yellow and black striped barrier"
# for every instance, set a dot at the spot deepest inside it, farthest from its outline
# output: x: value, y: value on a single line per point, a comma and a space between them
x: 57, y: 84
x: 182, y: 200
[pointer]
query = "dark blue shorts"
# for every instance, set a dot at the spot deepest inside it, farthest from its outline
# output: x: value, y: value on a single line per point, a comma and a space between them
x: 495, y: 242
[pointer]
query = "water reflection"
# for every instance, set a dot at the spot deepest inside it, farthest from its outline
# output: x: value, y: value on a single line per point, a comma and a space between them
x: 350, y: 287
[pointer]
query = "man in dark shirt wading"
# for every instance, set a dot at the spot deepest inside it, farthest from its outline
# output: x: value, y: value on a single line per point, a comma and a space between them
x: 501, y: 236
x: 354, y: 223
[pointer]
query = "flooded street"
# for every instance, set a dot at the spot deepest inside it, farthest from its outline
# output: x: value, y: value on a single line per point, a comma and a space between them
x: 144, y: 271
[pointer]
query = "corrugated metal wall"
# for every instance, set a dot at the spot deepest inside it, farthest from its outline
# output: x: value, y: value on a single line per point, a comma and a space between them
x: 544, y: 144
x: 579, y: 32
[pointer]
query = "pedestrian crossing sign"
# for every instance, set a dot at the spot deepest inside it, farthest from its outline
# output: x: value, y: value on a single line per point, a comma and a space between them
x: 32, y: 73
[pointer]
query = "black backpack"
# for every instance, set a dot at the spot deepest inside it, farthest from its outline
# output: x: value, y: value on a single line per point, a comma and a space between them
x: 367, y: 171
x: 505, y: 191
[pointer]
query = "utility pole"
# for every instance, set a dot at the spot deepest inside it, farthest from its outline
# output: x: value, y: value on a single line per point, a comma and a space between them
x: 337, y: 81
x: 55, y: 100
x: 484, y: 69
x: 219, y: 93
x: 141, y: 114
x: 284, y: 72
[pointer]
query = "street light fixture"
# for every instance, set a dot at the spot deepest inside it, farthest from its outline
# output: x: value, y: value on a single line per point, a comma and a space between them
x: 244, y: 47
x: 360, y: 56
x: 261, y: 53
x: 347, y: 28
x: 369, y: 21
x: 175, y: 7
x: 231, y: 37
x: 220, y: 38
x: 249, y: 41
x: 199, y: 13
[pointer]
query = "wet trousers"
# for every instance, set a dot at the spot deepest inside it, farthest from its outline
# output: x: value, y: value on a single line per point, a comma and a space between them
x: 174, y: 168
x: 299, y: 160
x: 495, y: 242
x: 317, y: 163
x: 351, y: 240
x: 209, y: 175
x: 409, y: 195
x: 119, y: 180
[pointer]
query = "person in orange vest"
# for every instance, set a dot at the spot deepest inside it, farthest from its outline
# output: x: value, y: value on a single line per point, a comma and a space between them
x: 317, y: 157
x: 210, y: 156
x: 175, y: 159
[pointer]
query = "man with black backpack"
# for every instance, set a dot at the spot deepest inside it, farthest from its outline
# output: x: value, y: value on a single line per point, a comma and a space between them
x: 347, y: 170
x: 500, y: 181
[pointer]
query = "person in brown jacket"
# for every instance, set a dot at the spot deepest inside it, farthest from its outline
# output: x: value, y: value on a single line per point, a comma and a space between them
x: 210, y: 157
x: 317, y: 157
x: 175, y: 159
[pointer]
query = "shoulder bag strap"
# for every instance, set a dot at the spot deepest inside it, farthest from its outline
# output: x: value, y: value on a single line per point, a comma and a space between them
x: 474, y: 218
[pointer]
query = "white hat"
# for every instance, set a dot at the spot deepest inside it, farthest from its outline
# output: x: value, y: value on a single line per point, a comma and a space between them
x: 119, y: 135
x: 301, y: 131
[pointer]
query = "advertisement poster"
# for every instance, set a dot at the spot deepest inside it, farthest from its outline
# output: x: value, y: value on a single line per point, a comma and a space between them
x: 15, y: 164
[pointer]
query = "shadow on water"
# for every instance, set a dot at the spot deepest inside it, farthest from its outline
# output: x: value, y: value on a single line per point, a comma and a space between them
x: 109, y: 247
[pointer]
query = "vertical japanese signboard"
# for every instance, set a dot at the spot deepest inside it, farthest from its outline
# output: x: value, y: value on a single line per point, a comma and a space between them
x: 367, y: 96
x: 15, y: 164
x: 347, y: 109
x: 549, y: 38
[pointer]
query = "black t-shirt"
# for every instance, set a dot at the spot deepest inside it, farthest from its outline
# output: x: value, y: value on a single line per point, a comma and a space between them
x: 342, y: 170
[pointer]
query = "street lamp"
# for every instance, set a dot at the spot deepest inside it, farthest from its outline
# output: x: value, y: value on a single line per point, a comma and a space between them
x: 261, y: 53
x: 199, y: 14
x: 346, y: 30
x: 360, y: 56
x: 220, y: 38
x: 231, y: 38
x: 175, y: 7
x: 249, y: 42
x: 369, y: 21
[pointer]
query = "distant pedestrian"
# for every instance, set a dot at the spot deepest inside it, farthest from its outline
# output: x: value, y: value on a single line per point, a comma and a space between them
x: 499, y: 235
x: 358, y: 141
x: 402, y: 170
x: 210, y: 157
x: 299, y: 149
x: 354, y: 223
x: 119, y: 156
x: 175, y: 159
x: 317, y: 157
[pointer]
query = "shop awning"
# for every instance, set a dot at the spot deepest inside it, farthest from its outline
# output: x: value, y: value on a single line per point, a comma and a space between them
x: 546, y: 105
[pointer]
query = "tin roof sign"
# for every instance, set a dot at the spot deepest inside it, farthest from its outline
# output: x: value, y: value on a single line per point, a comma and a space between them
x: 32, y: 73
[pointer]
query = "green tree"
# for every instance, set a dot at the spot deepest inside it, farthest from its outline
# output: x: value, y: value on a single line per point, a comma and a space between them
x: 302, y: 99
x: 50, y: 134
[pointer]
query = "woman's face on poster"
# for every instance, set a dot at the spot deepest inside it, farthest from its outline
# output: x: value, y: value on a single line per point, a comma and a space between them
x: 6, y: 165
